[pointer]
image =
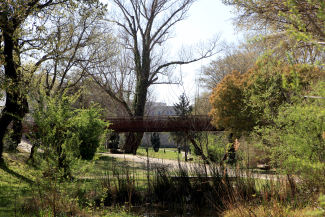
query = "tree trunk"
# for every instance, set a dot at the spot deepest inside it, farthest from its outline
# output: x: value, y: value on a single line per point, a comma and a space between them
x: 197, y: 148
x: 31, y: 155
x: 4, y: 122
x: 12, y: 93
x: 132, y: 143
x: 18, y: 122
x: 133, y: 140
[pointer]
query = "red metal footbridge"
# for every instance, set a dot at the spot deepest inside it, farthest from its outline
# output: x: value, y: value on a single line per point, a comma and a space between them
x: 184, y: 124
x: 162, y: 123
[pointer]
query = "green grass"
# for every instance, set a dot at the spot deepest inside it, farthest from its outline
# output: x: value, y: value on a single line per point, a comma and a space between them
x: 167, y: 153
x: 15, y: 181
x: 18, y: 182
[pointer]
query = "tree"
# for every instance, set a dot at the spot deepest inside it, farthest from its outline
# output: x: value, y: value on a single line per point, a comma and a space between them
x: 70, y: 43
x: 227, y: 100
x: 182, y: 109
x: 240, y: 59
x: 65, y: 133
x: 31, y: 33
x: 202, y: 105
x: 12, y: 15
x: 288, y: 25
x: 306, y: 20
x: 296, y: 140
x: 144, y: 27
x: 90, y: 128
x: 242, y: 101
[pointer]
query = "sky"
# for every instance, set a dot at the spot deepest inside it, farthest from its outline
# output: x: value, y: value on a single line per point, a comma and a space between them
x: 206, y: 18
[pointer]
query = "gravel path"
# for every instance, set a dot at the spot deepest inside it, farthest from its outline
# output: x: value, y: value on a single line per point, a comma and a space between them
x: 174, y: 164
x: 26, y: 146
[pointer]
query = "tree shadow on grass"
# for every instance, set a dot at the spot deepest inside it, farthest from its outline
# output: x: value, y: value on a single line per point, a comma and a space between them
x: 5, y: 168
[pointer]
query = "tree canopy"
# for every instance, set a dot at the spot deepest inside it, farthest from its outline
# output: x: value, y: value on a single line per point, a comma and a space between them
x: 242, y: 101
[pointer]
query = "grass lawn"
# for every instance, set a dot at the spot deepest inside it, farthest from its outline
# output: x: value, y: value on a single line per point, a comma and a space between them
x: 19, y: 182
x: 167, y: 153
x: 15, y: 180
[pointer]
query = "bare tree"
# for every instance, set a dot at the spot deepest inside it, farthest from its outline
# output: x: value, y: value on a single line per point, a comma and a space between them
x: 239, y: 58
x: 72, y: 42
x: 144, y: 27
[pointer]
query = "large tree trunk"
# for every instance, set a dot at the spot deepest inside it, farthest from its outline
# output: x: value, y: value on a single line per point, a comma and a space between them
x: 17, y: 126
x: 133, y: 140
x: 4, y: 122
x: 12, y: 93
x: 132, y: 143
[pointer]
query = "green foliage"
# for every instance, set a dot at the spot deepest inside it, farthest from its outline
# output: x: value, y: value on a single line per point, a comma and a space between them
x: 296, y: 140
x: 216, y: 148
x: 182, y: 109
x: 320, y: 210
x: 55, y: 122
x: 300, y: 14
x: 242, y: 101
x: 65, y: 134
x: 90, y: 129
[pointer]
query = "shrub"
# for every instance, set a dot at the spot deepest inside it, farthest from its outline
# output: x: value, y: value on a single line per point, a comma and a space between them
x: 296, y: 140
x: 216, y: 148
x: 90, y: 129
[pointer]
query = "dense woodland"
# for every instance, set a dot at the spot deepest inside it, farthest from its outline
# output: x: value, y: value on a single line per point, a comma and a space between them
x: 67, y: 65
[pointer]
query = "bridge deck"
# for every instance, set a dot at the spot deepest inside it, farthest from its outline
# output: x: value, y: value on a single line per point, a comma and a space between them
x: 161, y: 123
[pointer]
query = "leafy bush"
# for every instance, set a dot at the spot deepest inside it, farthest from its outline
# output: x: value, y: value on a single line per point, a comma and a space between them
x: 64, y: 133
x: 296, y: 139
x: 216, y: 148
x: 90, y: 128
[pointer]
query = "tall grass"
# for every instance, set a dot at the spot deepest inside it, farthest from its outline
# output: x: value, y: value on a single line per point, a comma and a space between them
x: 122, y: 185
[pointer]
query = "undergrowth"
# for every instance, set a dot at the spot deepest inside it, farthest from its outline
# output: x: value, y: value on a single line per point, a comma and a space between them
x: 113, y: 186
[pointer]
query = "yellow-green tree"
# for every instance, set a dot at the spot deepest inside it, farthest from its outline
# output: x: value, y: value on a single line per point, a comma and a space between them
x: 283, y: 26
x: 242, y: 101
x: 228, y: 101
